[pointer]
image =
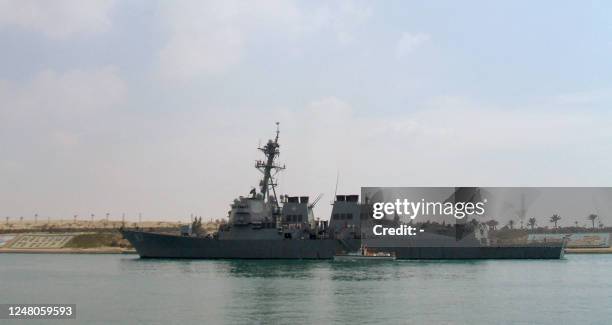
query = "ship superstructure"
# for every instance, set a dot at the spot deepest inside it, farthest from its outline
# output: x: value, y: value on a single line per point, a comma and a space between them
x: 262, y: 215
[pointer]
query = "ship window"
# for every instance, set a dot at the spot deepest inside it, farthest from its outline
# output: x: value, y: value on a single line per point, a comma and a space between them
x: 288, y: 218
x: 336, y: 216
x: 341, y: 216
x: 349, y: 216
x: 300, y: 218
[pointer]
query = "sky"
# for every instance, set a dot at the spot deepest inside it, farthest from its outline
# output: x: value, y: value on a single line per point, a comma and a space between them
x: 157, y: 107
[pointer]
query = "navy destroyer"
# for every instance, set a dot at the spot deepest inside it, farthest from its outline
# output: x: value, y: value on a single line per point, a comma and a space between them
x: 264, y: 226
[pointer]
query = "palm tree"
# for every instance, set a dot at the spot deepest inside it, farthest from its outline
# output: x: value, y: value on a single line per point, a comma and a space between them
x: 473, y: 222
x: 531, y: 222
x: 592, y: 217
x: 492, y: 224
x: 554, y: 219
x: 511, y: 224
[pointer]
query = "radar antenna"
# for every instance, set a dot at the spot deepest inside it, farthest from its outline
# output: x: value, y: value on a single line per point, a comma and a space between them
x: 269, y: 168
x: 336, y: 190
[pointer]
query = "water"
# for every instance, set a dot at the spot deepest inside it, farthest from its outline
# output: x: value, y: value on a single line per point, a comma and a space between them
x: 128, y: 290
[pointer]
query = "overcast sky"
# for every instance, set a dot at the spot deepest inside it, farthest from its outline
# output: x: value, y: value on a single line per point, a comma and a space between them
x: 158, y: 107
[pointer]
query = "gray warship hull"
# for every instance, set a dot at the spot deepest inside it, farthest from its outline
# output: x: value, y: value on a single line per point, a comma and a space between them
x: 552, y: 251
x: 156, y: 245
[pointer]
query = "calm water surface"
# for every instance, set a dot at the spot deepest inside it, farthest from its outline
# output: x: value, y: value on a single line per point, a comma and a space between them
x: 126, y: 289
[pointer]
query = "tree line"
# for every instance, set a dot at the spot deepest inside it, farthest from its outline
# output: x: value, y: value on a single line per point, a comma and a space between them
x: 554, y: 219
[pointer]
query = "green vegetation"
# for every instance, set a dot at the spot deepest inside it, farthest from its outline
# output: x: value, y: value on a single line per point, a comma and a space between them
x: 592, y: 217
x: 95, y: 240
x: 492, y: 224
x: 554, y: 219
x: 532, y: 222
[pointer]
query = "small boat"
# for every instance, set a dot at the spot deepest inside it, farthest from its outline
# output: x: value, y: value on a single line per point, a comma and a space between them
x: 364, y: 255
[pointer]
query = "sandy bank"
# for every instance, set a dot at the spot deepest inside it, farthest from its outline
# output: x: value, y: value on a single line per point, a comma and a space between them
x: 607, y: 250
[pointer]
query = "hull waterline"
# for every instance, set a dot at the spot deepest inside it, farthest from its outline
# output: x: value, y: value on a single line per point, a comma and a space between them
x: 156, y: 245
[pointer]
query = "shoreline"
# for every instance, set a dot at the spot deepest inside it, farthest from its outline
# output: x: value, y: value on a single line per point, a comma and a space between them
x: 101, y: 250
x: 604, y: 250
x: 115, y: 250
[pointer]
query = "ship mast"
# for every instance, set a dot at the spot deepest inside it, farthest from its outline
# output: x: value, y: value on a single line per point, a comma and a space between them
x: 268, y: 168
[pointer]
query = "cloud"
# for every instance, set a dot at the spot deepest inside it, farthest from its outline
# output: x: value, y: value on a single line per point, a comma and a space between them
x: 161, y: 166
x: 586, y: 98
x: 212, y: 37
x: 342, y: 18
x: 58, y: 19
x: 209, y: 37
x: 53, y: 105
x: 408, y: 42
x: 64, y: 93
x: 54, y: 130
